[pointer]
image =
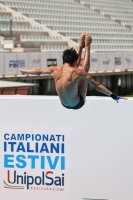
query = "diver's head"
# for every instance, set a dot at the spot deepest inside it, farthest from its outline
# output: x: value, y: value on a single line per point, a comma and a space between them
x: 70, y: 56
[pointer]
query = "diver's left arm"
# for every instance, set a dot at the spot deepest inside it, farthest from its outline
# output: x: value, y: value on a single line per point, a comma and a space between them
x: 98, y: 86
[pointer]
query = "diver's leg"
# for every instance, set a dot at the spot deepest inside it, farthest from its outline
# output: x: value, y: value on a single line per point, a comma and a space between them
x: 82, y: 85
x: 80, y: 48
x: 82, y: 88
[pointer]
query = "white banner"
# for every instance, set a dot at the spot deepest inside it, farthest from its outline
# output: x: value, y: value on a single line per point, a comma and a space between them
x: 93, y: 62
x: 23, y: 61
x: 2, y: 60
x: 110, y: 63
x: 35, y: 159
x: 35, y: 60
x: 44, y: 58
x: 128, y: 60
x: 103, y: 61
x: 11, y: 64
x: 55, y: 59
x: 118, y: 61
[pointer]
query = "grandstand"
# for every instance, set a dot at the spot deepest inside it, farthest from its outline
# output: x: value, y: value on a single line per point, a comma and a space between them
x: 50, y: 26
x: 111, y: 26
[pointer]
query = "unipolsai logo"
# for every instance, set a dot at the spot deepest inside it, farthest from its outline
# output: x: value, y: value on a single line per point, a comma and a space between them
x: 18, y: 181
x: 117, y: 60
x: 33, y: 161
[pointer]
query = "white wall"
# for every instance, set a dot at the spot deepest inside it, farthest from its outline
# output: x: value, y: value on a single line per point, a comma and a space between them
x: 101, y: 145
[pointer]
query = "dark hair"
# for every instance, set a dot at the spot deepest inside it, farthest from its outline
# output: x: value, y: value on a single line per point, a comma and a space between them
x: 69, y: 56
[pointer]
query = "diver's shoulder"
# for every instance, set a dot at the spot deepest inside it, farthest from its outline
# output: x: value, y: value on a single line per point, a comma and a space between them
x: 58, y: 67
x: 80, y: 71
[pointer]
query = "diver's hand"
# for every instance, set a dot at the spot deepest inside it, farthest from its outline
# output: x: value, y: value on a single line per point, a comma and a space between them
x: 22, y: 71
x: 82, y: 40
x: 88, y: 39
x: 116, y: 97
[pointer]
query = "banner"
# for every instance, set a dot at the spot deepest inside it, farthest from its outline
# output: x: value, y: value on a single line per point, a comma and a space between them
x: 11, y: 64
x: 110, y: 64
x: 35, y: 60
x: 99, y: 62
x: 118, y: 61
x: 103, y: 62
x: 35, y: 159
x: 44, y: 58
x: 23, y: 61
x: 93, y: 62
x: 2, y: 60
x: 128, y: 60
x: 54, y: 59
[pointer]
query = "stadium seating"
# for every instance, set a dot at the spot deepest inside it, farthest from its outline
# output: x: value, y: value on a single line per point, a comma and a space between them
x: 6, y: 27
x: 117, y: 10
x: 110, y: 24
x: 4, y: 18
x: 41, y: 38
x: 52, y: 48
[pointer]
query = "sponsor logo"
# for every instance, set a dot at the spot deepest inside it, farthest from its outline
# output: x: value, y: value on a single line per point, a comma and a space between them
x: 36, y: 63
x: 16, y: 63
x: 128, y: 60
x: 94, y: 60
x: 34, y: 161
x: 51, y: 62
x: 27, y: 180
x: 106, y: 62
x: 117, y: 60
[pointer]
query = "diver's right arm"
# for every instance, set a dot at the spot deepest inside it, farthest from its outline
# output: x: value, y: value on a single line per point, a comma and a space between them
x: 37, y: 71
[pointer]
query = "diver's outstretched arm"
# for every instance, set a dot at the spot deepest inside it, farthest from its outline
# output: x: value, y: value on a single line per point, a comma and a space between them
x: 37, y: 71
x: 98, y: 86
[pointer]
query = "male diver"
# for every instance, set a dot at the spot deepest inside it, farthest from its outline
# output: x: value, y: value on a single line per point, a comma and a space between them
x: 71, y: 82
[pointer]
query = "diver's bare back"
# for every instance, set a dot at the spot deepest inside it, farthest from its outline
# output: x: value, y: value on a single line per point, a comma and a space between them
x: 66, y: 82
